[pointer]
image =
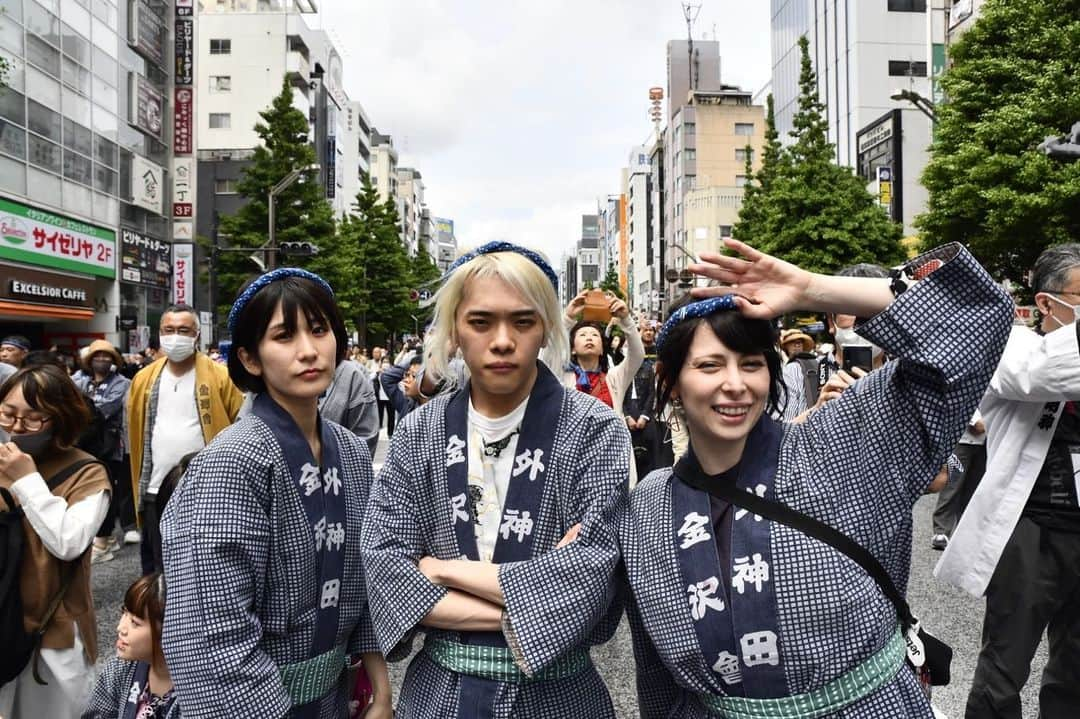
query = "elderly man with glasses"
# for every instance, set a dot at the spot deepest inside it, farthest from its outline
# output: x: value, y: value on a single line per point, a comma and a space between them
x: 177, y: 404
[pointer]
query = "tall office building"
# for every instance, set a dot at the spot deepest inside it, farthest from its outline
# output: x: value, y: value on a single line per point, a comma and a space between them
x: 589, y: 253
x: 863, y: 53
x: 85, y: 147
x: 642, y: 268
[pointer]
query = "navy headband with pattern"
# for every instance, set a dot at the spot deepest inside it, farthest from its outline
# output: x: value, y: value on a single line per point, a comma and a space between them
x: 262, y: 281
x: 19, y: 342
x: 500, y: 246
x: 692, y: 310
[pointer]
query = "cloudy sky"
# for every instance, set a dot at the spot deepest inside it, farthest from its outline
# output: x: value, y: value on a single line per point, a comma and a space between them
x: 519, y: 115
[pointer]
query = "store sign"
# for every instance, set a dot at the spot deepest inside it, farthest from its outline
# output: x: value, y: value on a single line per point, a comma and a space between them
x: 41, y: 238
x: 874, y: 136
x: 147, y: 106
x: 185, y: 8
x: 185, y: 51
x: 183, y: 230
x: 183, y: 175
x: 183, y: 273
x: 182, y: 121
x: 146, y: 183
x: 146, y: 31
x: 46, y: 288
x: 884, y: 182
x: 144, y: 260
x: 331, y: 167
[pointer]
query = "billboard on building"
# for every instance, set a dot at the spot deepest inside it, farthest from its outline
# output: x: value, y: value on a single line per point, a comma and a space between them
x: 146, y: 107
x: 183, y: 128
x: 183, y: 273
x: 146, y: 184
x: 146, y: 31
x: 185, y: 51
x: 183, y: 189
x: 144, y: 260
x: 41, y: 238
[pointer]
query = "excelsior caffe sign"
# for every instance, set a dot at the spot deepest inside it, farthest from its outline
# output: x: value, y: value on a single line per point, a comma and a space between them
x: 46, y: 288
x: 41, y: 238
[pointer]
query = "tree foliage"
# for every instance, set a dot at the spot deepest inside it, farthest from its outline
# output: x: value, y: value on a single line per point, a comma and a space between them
x: 610, y: 283
x: 301, y: 211
x: 381, y: 269
x: 805, y: 209
x: 1014, y: 79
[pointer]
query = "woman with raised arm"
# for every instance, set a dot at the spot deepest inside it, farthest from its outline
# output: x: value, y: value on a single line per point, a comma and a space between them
x: 734, y: 614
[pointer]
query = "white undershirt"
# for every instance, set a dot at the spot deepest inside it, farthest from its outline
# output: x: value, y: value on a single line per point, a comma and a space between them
x: 491, y: 474
x: 177, y: 431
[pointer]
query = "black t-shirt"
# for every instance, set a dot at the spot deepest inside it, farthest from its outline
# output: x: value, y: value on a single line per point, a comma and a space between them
x: 722, y: 512
x: 1053, y: 502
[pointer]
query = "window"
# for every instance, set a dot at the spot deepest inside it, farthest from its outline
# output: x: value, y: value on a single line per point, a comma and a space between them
x: 220, y: 46
x: 907, y: 5
x: 75, y: 46
x: 689, y: 128
x: 78, y: 168
x: 743, y: 153
x: 13, y: 106
x: 43, y: 121
x: 104, y: 179
x: 78, y: 138
x: 12, y: 140
x: 220, y: 121
x: 44, y: 153
x: 689, y: 154
x: 740, y: 180
x: 220, y: 83
x: 744, y: 128
x: 724, y: 230
x: 76, y: 76
x: 104, y: 150
x: 224, y: 187
x: 907, y: 68
x: 40, y: 53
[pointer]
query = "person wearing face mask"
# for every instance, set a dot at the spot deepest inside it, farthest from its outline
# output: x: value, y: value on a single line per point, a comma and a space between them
x: 1017, y: 540
x: 176, y: 405
x: 63, y: 494
x: 101, y: 382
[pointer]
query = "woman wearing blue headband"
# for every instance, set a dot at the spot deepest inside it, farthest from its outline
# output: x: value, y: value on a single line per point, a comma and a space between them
x: 735, y: 614
x: 267, y: 603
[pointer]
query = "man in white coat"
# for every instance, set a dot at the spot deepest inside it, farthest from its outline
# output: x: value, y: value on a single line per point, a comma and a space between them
x: 1019, y: 539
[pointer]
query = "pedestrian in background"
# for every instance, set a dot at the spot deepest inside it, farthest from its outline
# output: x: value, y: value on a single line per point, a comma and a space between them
x: 64, y: 495
x: 176, y: 405
x: 13, y: 350
x: 1017, y: 540
x: 135, y: 683
x: 101, y: 381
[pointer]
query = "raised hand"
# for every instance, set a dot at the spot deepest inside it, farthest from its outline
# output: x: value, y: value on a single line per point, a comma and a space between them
x: 764, y: 286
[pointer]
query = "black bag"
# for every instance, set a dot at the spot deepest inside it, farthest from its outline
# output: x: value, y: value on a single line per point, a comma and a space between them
x: 20, y: 647
x: 812, y: 376
x: 935, y: 670
x: 99, y: 438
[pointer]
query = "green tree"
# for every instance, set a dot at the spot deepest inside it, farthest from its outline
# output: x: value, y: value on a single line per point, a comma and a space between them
x: 381, y: 273
x: 805, y: 209
x: 301, y: 211
x: 610, y: 283
x: 1013, y: 81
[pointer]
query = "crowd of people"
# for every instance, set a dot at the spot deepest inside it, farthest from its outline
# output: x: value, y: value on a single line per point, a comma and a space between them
x: 741, y: 495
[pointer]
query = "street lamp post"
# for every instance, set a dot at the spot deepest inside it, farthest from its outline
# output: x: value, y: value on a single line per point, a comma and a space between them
x: 921, y: 104
x: 276, y: 190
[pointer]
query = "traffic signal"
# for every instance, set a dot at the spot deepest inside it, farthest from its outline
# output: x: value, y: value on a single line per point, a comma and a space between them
x: 298, y: 249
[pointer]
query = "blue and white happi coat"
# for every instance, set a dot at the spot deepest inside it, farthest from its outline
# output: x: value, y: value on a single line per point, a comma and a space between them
x: 800, y: 613
x: 242, y: 566
x: 116, y: 693
x: 556, y: 602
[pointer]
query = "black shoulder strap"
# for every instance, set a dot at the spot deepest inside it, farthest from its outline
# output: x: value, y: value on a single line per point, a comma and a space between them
x: 64, y: 474
x: 691, y: 473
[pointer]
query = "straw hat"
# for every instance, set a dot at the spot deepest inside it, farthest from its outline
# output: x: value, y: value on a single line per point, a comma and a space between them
x: 787, y: 336
x: 102, y: 346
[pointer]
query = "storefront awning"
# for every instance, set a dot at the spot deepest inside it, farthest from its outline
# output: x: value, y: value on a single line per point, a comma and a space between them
x: 22, y: 309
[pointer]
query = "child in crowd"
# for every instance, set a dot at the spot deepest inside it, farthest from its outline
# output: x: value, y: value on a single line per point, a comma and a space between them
x: 135, y: 684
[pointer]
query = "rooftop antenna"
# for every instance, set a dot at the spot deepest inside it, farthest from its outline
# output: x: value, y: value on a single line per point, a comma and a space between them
x: 690, y: 12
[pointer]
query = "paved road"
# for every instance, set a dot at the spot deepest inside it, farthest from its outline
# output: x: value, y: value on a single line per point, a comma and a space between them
x: 952, y: 615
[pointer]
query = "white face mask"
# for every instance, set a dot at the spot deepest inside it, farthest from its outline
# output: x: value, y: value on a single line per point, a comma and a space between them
x: 177, y: 347
x: 1063, y: 303
x: 847, y: 337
